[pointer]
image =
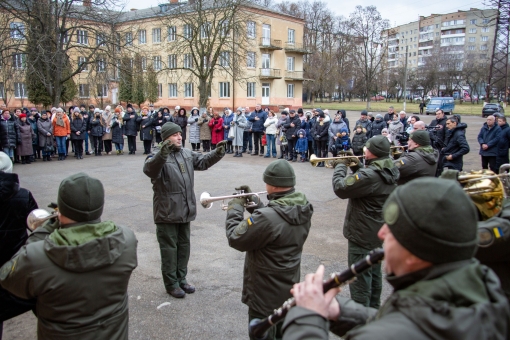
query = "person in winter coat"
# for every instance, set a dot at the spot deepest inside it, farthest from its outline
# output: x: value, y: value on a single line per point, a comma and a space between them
x: 158, y: 121
x: 334, y: 129
x: 488, y: 139
x: 302, y: 145
x: 146, y: 130
x: 96, y: 131
x: 194, y: 129
x: 270, y: 125
x: 321, y: 136
x: 403, y: 119
x: 131, y: 127
x: 205, y: 131
x: 386, y: 134
x: 420, y: 160
x: 345, y: 119
x: 86, y: 117
x: 292, y: 126
x: 307, y: 125
x: 25, y: 150
x: 11, y: 137
x: 272, y: 238
x: 367, y: 188
x: 281, y: 139
x: 107, y: 118
x: 78, y: 128
x: 228, y: 117
x: 395, y: 128
x: 503, y: 143
x: 365, y: 123
x: 45, y: 130
x: 342, y: 142
x: 388, y: 117
x: 358, y: 141
x: 61, y: 131
x: 167, y: 115
x: 77, y: 268
x: 117, y: 130
x: 439, y: 290
x: 456, y: 146
x: 216, y: 125
x: 182, y: 120
x: 438, y: 134
x: 378, y: 125
x: 32, y: 118
x: 240, y: 123
x: 258, y: 117
x: 248, y: 133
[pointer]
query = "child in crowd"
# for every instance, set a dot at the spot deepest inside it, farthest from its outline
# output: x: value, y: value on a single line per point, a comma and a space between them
x: 342, y: 143
x: 302, y: 145
x: 358, y: 141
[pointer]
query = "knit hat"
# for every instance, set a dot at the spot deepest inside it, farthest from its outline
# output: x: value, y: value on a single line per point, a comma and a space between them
x: 379, y: 146
x: 364, y: 113
x: 320, y: 113
x: 451, y: 235
x: 108, y: 108
x: 118, y: 110
x: 129, y: 105
x: 377, y: 116
x: 5, y: 163
x: 169, y: 129
x: 81, y: 198
x: 23, y: 115
x: 420, y: 137
x: 308, y: 113
x: 344, y: 130
x: 76, y: 109
x: 96, y: 110
x: 300, y: 110
x: 384, y: 130
x: 279, y: 174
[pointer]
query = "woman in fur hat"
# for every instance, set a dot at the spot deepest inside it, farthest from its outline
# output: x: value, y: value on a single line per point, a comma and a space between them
x: 117, y: 130
x: 194, y: 129
x: 27, y: 135
x: 78, y: 128
x: 182, y: 120
x: 107, y: 117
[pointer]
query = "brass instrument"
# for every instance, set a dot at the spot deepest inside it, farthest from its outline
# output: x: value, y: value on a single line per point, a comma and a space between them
x: 486, y: 189
x: 207, y: 200
x: 314, y: 160
x: 37, y: 217
x: 397, y: 151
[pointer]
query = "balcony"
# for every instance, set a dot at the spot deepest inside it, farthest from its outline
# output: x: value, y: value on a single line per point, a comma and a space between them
x: 295, y: 47
x: 294, y: 75
x: 270, y: 73
x: 270, y: 44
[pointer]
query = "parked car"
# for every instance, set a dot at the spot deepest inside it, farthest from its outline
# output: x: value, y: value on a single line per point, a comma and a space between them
x: 377, y: 98
x: 447, y: 104
x: 492, y: 108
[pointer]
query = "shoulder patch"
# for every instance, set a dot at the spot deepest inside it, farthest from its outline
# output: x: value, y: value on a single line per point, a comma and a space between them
x: 350, y: 180
x: 7, y: 269
x: 241, y: 228
x: 249, y: 220
x: 401, y: 162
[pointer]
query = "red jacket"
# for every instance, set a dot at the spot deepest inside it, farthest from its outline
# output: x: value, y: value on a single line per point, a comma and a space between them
x: 216, y: 130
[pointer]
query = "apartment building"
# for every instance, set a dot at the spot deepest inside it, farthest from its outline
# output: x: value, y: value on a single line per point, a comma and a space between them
x: 272, y: 67
x: 461, y: 34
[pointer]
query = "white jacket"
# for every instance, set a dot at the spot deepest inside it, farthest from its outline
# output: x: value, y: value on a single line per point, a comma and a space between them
x: 270, y: 125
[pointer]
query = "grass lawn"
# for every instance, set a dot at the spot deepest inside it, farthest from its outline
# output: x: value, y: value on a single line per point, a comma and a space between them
x: 382, y: 106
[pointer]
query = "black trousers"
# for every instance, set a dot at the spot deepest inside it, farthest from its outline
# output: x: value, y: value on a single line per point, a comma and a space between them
x: 12, y: 306
x: 195, y: 146
x: 322, y: 148
x: 257, y: 141
x: 247, y: 141
x: 292, y: 148
x: 107, y: 145
x: 131, y: 143
x: 147, y: 146
x: 489, y: 162
x: 207, y: 145
x: 97, y: 144
x: 78, y: 147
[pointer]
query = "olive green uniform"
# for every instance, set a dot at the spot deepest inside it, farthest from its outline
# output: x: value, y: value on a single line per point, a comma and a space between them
x: 419, y: 162
x: 455, y: 300
x: 174, y: 207
x: 367, y: 189
x: 273, y: 238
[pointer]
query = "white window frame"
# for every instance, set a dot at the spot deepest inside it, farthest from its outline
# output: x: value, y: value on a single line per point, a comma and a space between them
x: 187, y: 32
x: 144, y: 64
x: 251, y: 29
x: 225, y: 58
x: 18, y: 61
x: 101, y: 65
x: 224, y: 89
x: 472, y: 21
x: 250, y: 89
x: 472, y: 30
x: 102, y: 90
x: 84, y: 90
x: 471, y: 48
x: 205, y: 30
x: 82, y: 37
x: 188, y: 90
x: 81, y: 61
x: 291, y: 63
x: 172, y: 61
x: 291, y: 36
x: 172, y: 33
x: 472, y: 39
x: 172, y: 90
x: 485, y: 38
x: 156, y: 35
x: 17, y: 30
x: 129, y: 39
x: 483, y: 48
x: 485, y: 29
x: 20, y: 90
x: 2, y: 90
x: 290, y: 90
x: 156, y: 63
x: 142, y: 37
x: 251, y: 59
x: 160, y: 90
x: 224, y: 30
x: 100, y: 39
x: 188, y: 61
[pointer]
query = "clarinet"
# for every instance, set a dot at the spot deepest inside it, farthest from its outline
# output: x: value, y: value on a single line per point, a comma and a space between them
x: 258, y: 328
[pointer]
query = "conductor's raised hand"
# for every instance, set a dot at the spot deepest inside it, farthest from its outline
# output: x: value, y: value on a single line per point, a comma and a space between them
x: 220, y: 147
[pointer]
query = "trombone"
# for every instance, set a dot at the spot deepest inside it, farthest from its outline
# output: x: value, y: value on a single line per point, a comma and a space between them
x: 207, y: 200
x: 314, y: 160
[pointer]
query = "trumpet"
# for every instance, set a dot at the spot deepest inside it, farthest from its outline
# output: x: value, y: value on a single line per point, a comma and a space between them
x: 314, y: 160
x: 207, y: 200
x: 37, y: 217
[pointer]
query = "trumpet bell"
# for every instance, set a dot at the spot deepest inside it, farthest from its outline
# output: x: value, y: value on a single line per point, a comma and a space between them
x: 205, y: 200
x: 37, y: 217
x: 485, y: 189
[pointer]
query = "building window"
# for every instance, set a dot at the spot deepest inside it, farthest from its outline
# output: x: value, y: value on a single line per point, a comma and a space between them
x: 156, y: 63
x: 483, y: 47
x: 117, y: 42
x: 2, y: 90
x: 290, y: 90
x: 188, y: 60
x: 290, y: 63
x: 129, y: 39
x: 437, y: 34
x: 83, y: 90
x: 17, y: 30
x: 65, y: 39
x: 291, y: 36
x: 20, y: 90
x: 472, y: 21
x: 18, y: 61
x: 485, y: 29
x: 187, y: 32
x: 144, y: 63
x: 485, y: 38
x: 172, y: 32
x: 160, y: 90
x: 225, y: 59
x: 224, y: 89
x: 117, y: 69
x: 82, y: 63
x: 142, y: 37
x: 485, y: 21
x: 472, y: 39
x: 101, y: 65
x: 250, y: 90
x: 100, y: 39
x: 250, y: 60
x: 102, y: 90
x: 472, y: 30
x: 82, y: 37
x: 156, y: 35
x: 188, y: 90
x: 251, y: 29
x: 172, y: 90
x: 204, y: 30
x: 471, y: 48
x: 224, y: 28
x: 206, y: 62
x: 172, y: 61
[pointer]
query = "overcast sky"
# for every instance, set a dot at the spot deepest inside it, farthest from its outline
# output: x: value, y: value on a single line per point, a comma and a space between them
x: 398, y: 12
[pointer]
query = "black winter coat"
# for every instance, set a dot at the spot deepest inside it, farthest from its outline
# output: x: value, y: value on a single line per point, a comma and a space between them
x: 489, y: 137
x: 131, y: 124
x: 438, y: 136
x: 12, y: 133
x: 117, y: 135
x: 4, y: 137
x: 457, y: 146
x: 503, y: 145
x: 358, y: 142
x: 321, y: 132
x: 146, y: 129
x: 377, y: 127
x: 292, y: 131
x: 16, y: 203
x: 78, y: 124
x: 96, y: 129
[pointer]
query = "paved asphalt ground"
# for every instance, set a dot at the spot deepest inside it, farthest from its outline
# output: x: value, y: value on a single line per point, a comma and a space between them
x: 215, y: 310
